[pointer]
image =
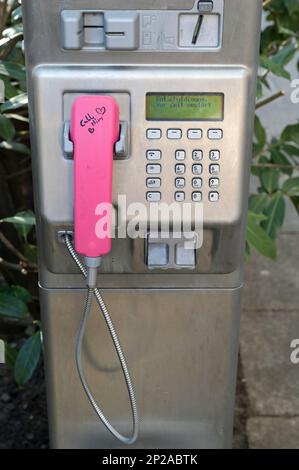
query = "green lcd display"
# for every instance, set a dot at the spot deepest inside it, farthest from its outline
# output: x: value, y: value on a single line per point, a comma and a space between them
x: 184, y: 107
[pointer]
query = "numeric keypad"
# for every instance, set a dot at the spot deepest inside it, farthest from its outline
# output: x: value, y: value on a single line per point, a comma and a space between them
x: 196, y: 171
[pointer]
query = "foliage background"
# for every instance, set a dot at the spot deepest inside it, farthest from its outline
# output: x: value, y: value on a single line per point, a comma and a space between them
x: 275, y: 165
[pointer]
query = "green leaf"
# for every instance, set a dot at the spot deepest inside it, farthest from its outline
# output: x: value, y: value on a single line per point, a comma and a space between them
x: 256, y: 149
x: 259, y: 89
x: 262, y: 82
x: 14, y: 30
x: 23, y: 222
x: 270, y: 179
x: 291, y: 187
x: 13, y: 70
x: 285, y: 31
x: 17, y: 117
x: 257, y: 203
x: 257, y: 170
x: 15, y: 147
x: 259, y: 217
x: 12, y: 35
x: 16, y: 15
x: 285, y: 55
x: 19, y: 292
x: 259, y: 132
x: 7, y: 129
x: 259, y: 239
x: 292, y: 6
x: 30, y: 251
x: 291, y: 134
x: 10, y: 90
x: 22, y: 293
x: 27, y: 359
x: 12, y: 307
x: 280, y: 159
x: 276, y: 68
x: 16, y: 102
x: 275, y: 212
x: 4, y: 41
x: 290, y: 150
x: 10, y: 355
x: 295, y: 202
x: 23, y: 87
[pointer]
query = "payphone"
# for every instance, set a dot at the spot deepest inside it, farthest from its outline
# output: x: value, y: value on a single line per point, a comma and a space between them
x: 141, y: 126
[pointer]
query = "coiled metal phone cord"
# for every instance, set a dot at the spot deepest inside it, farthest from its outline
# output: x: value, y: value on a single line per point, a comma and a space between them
x: 120, y: 354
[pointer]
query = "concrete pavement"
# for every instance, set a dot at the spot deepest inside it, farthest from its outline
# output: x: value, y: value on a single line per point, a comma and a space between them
x: 270, y: 322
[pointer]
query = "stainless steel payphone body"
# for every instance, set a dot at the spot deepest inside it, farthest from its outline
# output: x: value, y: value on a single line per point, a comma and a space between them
x: 177, y: 313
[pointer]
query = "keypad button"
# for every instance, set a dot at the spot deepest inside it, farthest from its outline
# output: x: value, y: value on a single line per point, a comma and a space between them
x: 153, y: 169
x: 180, y: 169
x: 197, y: 155
x: 214, y: 155
x: 214, y: 183
x: 174, y: 134
x: 196, y: 182
x: 153, y: 197
x: 214, y: 169
x: 153, y: 155
x: 196, y: 196
x: 215, y: 134
x: 180, y: 155
x: 180, y: 196
x: 154, y: 134
x: 197, y: 169
x: 180, y: 182
x: 194, y: 134
x: 153, y: 183
x: 213, y: 196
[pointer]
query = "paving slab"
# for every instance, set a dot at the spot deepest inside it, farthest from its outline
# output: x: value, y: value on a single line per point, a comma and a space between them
x: 272, y: 380
x: 271, y: 317
x: 273, y: 433
x: 270, y: 322
x: 270, y: 285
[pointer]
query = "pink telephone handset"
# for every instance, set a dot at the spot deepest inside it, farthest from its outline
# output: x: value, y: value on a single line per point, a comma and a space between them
x: 94, y: 132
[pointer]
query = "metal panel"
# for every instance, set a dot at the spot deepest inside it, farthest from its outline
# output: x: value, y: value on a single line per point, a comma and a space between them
x: 182, y: 350
x: 225, y: 244
x: 179, y: 328
x: 42, y: 28
x: 144, y: 30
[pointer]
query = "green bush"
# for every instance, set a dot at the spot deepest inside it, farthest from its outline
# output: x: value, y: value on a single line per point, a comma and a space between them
x: 274, y: 164
x: 18, y: 267
x: 274, y: 161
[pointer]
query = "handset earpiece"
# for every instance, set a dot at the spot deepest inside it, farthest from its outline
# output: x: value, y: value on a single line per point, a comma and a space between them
x: 94, y: 131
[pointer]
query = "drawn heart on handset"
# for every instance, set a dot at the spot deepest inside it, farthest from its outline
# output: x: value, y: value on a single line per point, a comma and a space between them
x: 101, y: 111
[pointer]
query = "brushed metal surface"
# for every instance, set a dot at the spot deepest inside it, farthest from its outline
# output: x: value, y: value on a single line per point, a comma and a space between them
x: 55, y: 173
x: 182, y: 349
x: 43, y: 36
x: 179, y: 329
x: 130, y: 175
x: 160, y: 30
x: 60, y: 75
